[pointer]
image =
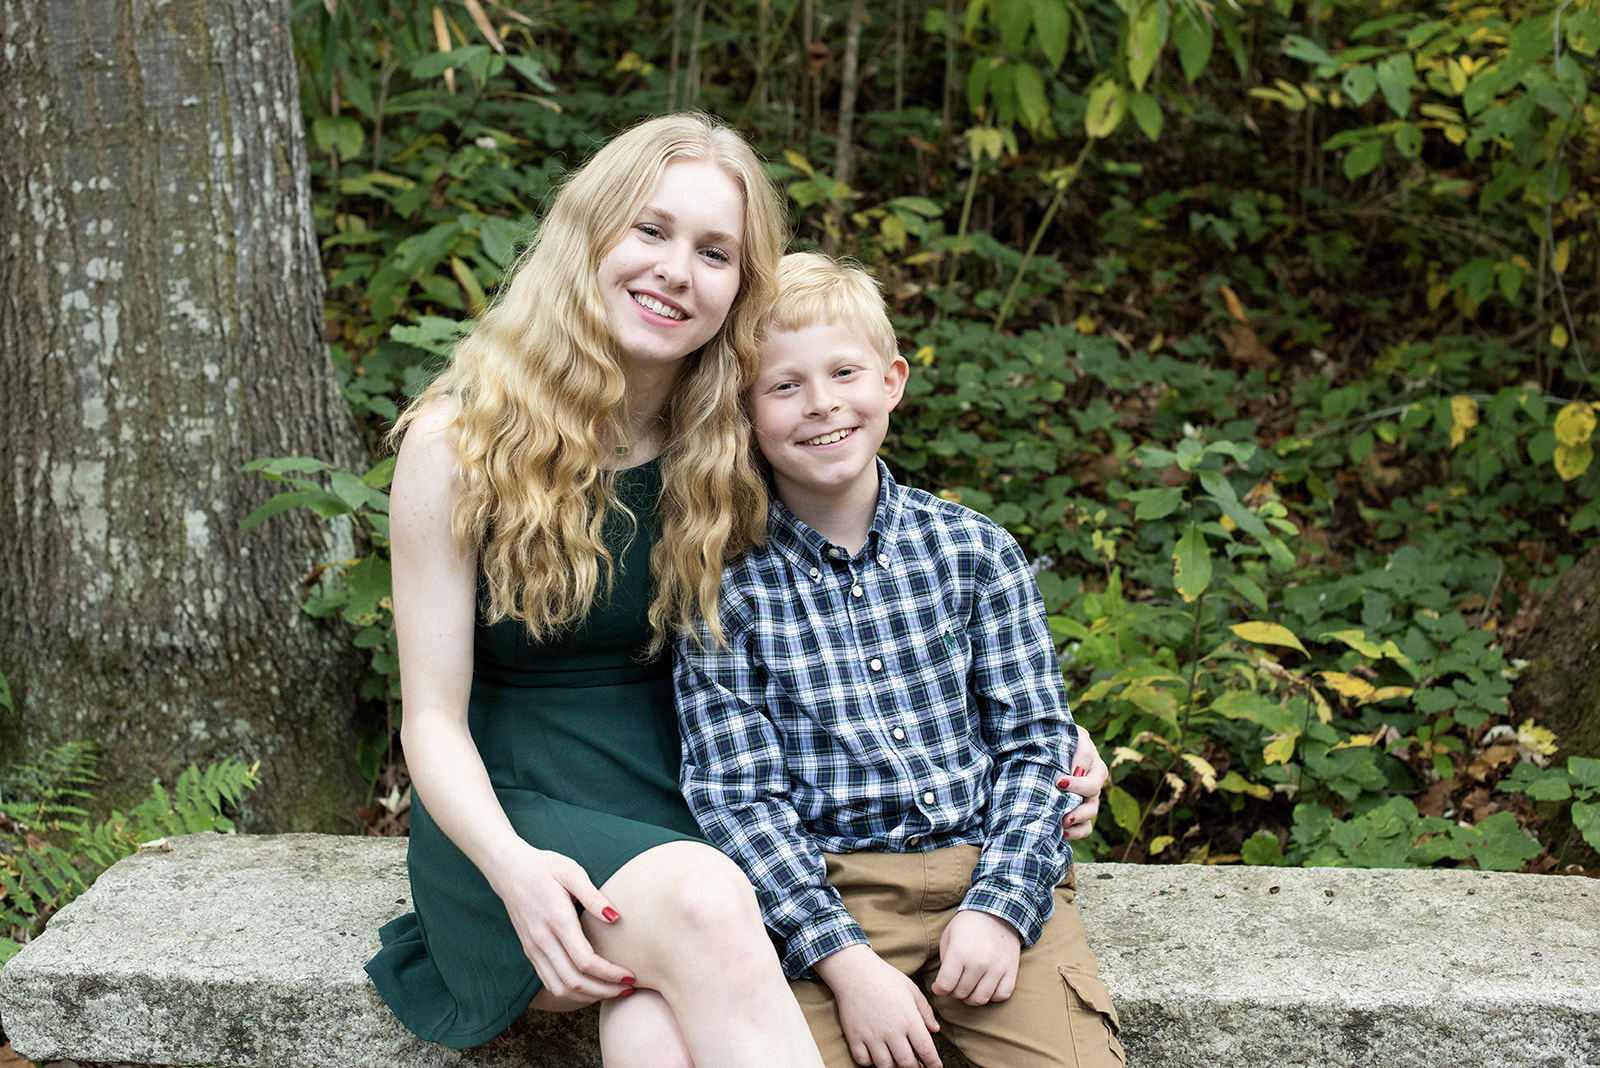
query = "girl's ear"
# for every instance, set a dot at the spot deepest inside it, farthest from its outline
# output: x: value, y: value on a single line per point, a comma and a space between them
x: 894, y: 380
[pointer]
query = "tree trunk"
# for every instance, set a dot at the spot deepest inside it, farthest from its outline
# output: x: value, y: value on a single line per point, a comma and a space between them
x: 161, y: 326
x: 847, y: 91
x: 1560, y: 688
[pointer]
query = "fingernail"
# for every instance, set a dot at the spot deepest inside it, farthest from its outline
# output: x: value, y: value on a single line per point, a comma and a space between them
x: 1062, y: 782
x: 628, y: 980
x: 609, y: 913
x: 1078, y: 772
x: 628, y: 993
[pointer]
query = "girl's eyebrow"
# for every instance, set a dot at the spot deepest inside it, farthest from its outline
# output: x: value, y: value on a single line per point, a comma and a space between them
x: 721, y: 237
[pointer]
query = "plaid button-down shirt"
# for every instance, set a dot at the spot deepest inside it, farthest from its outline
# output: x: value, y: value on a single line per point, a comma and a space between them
x: 907, y: 698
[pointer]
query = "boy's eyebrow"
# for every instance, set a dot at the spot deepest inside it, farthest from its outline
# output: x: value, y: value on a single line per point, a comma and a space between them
x: 721, y: 237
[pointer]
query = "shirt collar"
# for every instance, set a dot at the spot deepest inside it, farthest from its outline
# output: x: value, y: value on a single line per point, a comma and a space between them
x: 795, y: 538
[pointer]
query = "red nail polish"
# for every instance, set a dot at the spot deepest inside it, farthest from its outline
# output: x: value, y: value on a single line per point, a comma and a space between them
x: 628, y: 980
x: 609, y: 913
x: 626, y: 993
x: 1078, y: 773
x: 1061, y: 783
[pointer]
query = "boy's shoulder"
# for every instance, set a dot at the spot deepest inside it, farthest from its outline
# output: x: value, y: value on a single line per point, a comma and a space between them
x: 949, y: 521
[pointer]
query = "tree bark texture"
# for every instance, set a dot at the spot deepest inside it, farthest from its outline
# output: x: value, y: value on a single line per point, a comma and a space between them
x: 1560, y: 687
x: 160, y: 325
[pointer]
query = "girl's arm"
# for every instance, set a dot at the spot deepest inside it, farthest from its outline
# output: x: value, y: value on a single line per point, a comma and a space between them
x: 435, y: 587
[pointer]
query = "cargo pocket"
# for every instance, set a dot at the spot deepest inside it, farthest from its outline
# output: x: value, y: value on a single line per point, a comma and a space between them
x: 1095, y: 1025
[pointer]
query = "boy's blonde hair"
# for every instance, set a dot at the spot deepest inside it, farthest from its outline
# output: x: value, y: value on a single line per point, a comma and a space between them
x: 813, y: 288
x: 542, y: 399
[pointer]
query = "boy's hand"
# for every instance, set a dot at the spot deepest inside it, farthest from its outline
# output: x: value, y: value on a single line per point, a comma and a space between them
x: 978, y: 958
x: 886, y: 1020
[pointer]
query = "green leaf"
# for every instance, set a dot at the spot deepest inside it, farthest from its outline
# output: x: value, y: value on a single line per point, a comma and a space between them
x: 1147, y: 113
x: 1191, y: 564
x: 323, y: 503
x: 1157, y: 503
x: 1363, y: 159
x: 1194, y: 38
x: 1308, y: 51
x: 1586, y: 770
x: 1262, y: 849
x: 1031, y: 102
x: 5, y: 693
x: 1124, y: 809
x: 370, y: 581
x: 1408, y: 140
x: 1052, y: 25
x: 1396, y: 76
x: 1500, y: 844
x: 1144, y: 44
x: 1359, y: 83
x: 1586, y: 818
x: 1107, y: 105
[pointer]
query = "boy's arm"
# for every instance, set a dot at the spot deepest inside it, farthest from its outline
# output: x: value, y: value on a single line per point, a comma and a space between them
x: 736, y: 781
x: 1022, y: 707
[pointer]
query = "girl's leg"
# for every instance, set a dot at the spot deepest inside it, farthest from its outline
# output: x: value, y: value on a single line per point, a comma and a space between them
x: 690, y: 929
x: 639, y: 1031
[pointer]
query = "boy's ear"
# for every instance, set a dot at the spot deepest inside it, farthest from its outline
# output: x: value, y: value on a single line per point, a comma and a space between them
x: 894, y: 380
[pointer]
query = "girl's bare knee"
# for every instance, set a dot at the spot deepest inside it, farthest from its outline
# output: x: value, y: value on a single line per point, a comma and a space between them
x: 640, y: 1031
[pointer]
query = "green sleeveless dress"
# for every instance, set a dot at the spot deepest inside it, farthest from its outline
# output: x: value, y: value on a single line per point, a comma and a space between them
x: 581, y: 743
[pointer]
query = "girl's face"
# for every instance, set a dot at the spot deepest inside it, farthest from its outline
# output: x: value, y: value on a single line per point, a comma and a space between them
x: 668, y: 284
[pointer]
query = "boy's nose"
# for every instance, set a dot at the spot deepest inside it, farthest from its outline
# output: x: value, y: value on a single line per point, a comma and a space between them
x: 820, y: 400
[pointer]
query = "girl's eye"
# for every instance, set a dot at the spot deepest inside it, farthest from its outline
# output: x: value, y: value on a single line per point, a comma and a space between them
x: 718, y: 255
x: 650, y: 230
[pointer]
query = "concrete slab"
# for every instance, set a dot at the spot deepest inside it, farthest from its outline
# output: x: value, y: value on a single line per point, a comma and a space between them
x: 247, y: 951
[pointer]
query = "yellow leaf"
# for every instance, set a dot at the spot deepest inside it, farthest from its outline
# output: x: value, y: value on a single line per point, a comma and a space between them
x: 1558, y: 336
x: 799, y: 162
x: 1575, y: 424
x: 1086, y: 324
x: 1262, y: 633
x: 1160, y: 842
x: 1457, y: 75
x: 1207, y: 773
x: 1358, y: 641
x: 1279, y: 750
x: 1359, y: 690
x: 1228, y: 524
x: 1388, y: 692
x: 1535, y: 738
x: 1563, y: 255
x: 1123, y: 754
x: 441, y: 34
x: 1573, y: 460
x: 485, y: 27
x: 924, y: 356
x: 1436, y: 294
x: 1463, y: 417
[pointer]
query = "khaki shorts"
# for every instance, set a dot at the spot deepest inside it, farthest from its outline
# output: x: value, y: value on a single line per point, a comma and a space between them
x: 1060, y: 1015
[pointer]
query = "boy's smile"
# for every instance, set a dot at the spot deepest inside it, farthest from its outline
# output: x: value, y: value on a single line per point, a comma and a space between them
x: 821, y: 409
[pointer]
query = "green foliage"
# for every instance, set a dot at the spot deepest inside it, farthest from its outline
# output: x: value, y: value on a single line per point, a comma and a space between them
x: 358, y: 591
x: 1263, y: 327
x: 52, y: 849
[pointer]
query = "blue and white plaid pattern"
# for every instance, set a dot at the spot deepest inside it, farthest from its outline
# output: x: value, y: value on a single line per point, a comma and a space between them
x: 906, y: 699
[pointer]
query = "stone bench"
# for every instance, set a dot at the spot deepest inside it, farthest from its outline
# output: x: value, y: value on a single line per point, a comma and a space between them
x: 247, y: 951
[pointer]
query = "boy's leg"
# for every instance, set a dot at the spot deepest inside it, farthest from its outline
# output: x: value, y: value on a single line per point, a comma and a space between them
x: 886, y: 893
x: 1060, y: 1015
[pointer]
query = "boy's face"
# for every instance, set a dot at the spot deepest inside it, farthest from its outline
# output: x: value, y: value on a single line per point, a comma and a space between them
x: 821, y: 409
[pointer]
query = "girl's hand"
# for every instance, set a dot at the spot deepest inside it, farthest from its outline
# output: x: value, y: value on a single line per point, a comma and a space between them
x: 541, y: 891
x: 1089, y: 777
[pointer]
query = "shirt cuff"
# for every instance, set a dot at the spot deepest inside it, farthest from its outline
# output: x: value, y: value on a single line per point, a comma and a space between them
x: 827, y: 935
x: 1014, y: 904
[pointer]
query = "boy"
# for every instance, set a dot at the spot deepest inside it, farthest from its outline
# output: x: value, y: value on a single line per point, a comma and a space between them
x: 877, y: 744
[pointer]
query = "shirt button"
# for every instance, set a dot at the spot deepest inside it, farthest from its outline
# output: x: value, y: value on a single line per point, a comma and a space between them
x: 927, y: 798
x: 836, y: 553
x: 899, y: 735
x: 883, y: 559
x: 816, y: 573
x: 876, y: 664
x: 913, y: 840
x: 856, y: 591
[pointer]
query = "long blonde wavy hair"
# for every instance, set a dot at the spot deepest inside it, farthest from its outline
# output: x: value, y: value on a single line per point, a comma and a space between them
x: 540, y: 394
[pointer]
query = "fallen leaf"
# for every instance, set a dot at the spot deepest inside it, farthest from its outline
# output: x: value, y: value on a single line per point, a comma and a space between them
x: 1245, y: 347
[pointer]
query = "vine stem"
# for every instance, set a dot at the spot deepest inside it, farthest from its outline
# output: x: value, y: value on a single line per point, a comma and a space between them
x: 1062, y: 185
